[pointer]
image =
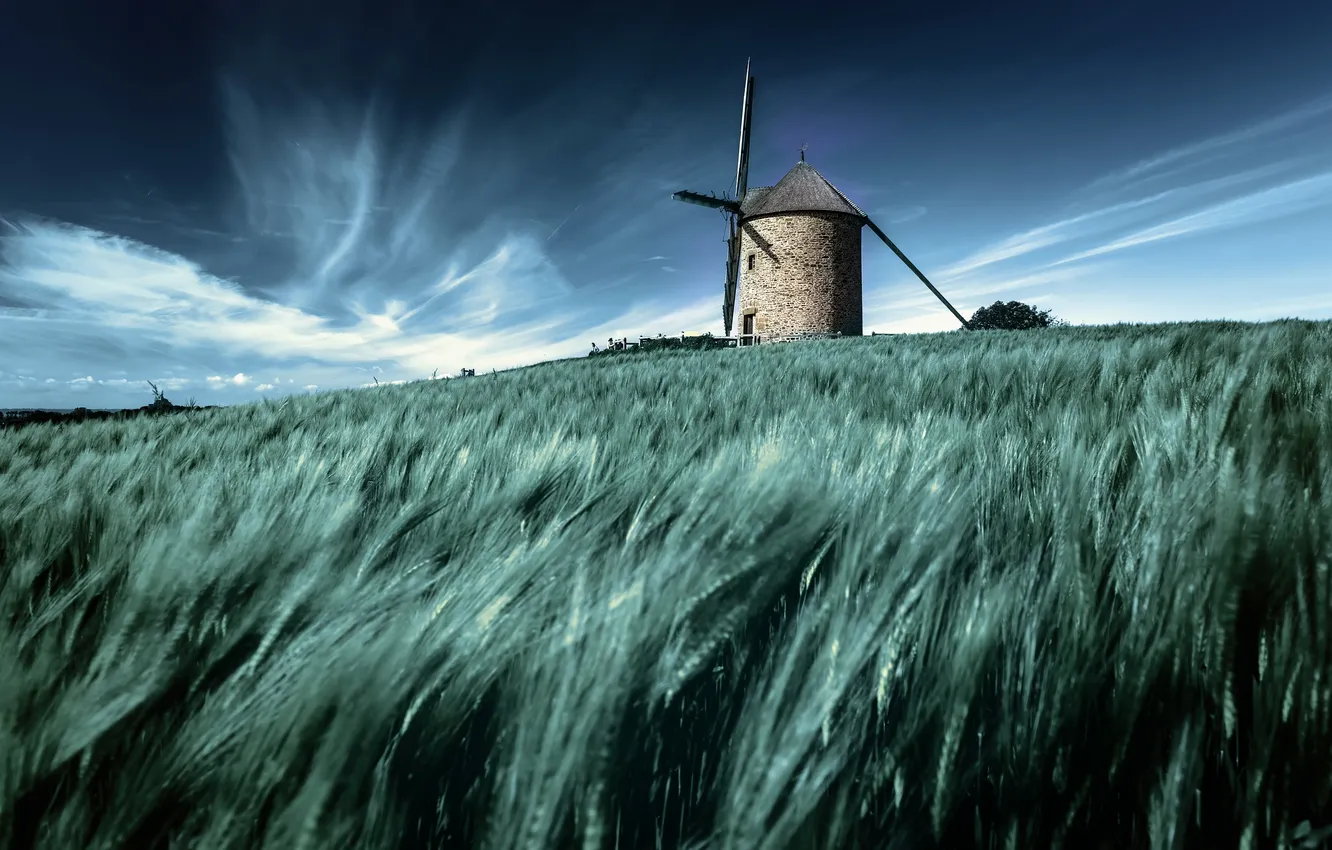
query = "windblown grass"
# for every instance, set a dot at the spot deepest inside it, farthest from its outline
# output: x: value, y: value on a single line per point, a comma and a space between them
x: 995, y: 590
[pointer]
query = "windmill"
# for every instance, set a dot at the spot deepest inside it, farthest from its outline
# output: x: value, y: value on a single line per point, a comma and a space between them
x: 799, y: 244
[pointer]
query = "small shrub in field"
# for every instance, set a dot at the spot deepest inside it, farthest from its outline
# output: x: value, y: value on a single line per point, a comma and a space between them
x: 1011, y: 316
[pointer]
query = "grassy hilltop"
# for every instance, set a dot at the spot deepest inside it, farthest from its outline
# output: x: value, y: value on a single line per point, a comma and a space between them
x: 997, y: 590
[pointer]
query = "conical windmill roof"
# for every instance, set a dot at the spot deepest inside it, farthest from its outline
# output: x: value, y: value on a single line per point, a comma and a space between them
x: 803, y: 189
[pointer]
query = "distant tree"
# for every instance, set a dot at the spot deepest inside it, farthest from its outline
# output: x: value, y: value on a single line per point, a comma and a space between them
x: 1013, y: 316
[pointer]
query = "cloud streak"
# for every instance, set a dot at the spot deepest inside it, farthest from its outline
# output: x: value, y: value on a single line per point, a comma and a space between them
x: 1030, y: 258
x: 1187, y: 208
x: 1098, y: 221
x: 1186, y: 155
x: 1279, y: 201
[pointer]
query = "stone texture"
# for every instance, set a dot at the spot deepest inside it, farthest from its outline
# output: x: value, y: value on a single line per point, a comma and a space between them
x: 806, y: 275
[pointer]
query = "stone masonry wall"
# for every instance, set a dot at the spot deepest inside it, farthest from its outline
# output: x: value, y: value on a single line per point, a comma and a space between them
x: 806, y: 275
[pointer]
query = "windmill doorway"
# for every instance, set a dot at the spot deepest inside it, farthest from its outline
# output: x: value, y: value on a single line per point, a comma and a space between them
x: 747, y: 330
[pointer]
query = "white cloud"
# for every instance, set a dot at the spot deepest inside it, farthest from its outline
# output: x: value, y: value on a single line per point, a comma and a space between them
x: 148, y: 298
x: 1286, y: 199
x: 1099, y: 220
x: 263, y: 388
x: 1276, y: 201
x: 378, y: 276
x: 902, y: 216
x: 1281, y: 123
x: 165, y: 384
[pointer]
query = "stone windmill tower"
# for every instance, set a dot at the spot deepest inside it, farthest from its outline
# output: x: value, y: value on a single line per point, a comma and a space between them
x: 793, y: 252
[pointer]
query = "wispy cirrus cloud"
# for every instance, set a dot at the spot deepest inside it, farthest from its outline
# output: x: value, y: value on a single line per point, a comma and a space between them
x: 1283, y: 183
x: 894, y: 214
x: 115, y: 289
x: 1286, y: 199
x: 378, y: 254
x: 1207, y: 149
x: 1264, y: 185
x: 1107, y: 218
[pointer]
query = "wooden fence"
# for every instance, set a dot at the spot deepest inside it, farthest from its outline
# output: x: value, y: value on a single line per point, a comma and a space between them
x: 707, y: 341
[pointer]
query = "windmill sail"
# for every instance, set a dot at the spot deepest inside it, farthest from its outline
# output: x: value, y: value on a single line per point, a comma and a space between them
x: 746, y: 113
x: 732, y: 274
x: 707, y: 201
x: 731, y: 208
x: 918, y: 272
x: 741, y: 186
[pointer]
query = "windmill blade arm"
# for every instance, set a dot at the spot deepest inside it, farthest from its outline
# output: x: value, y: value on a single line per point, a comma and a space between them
x: 732, y: 276
x: 918, y: 272
x: 707, y: 201
x: 746, y: 115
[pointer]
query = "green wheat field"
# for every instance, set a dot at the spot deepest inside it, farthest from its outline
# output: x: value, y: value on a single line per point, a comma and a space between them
x: 1058, y: 588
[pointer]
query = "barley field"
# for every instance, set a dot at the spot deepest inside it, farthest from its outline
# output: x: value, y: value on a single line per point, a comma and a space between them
x: 1059, y: 588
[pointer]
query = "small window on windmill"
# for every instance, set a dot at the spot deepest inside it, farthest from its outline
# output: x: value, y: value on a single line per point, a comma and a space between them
x: 751, y: 262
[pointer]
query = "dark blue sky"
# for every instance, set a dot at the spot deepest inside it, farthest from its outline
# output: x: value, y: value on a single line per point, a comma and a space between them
x: 227, y: 197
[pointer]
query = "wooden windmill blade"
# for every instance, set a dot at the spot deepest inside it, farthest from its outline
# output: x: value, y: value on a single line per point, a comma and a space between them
x: 731, y: 207
x: 918, y: 272
x: 741, y: 187
x: 746, y: 114
x: 707, y: 201
x: 732, y: 272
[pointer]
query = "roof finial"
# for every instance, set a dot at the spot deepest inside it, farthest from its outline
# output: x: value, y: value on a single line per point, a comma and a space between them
x: 802, y: 151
